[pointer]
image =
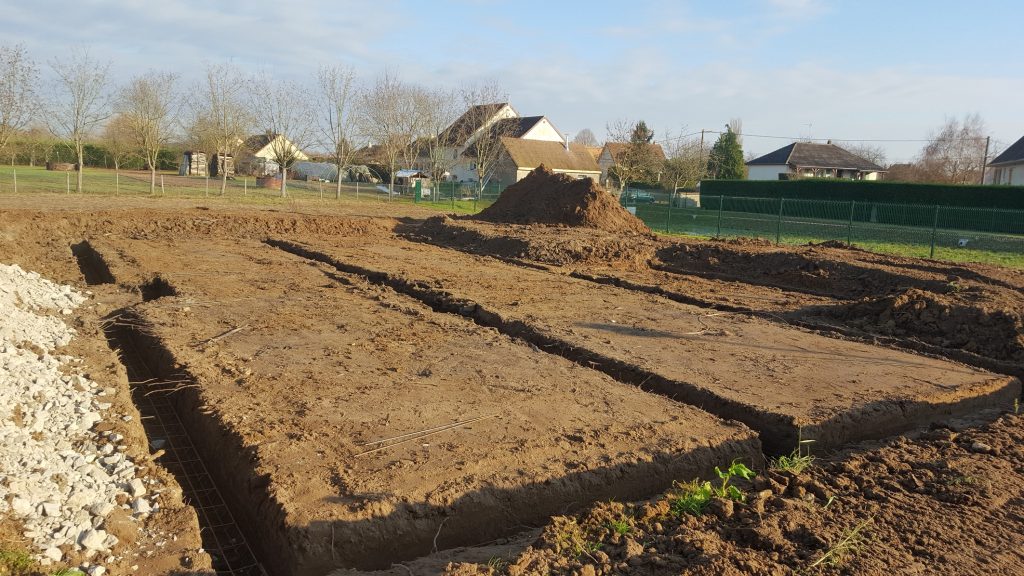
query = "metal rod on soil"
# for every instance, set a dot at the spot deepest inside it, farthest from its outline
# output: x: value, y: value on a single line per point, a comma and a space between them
x: 222, y: 335
x: 421, y: 434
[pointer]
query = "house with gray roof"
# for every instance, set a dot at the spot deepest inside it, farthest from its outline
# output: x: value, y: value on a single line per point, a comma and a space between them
x: 1007, y: 169
x: 809, y: 160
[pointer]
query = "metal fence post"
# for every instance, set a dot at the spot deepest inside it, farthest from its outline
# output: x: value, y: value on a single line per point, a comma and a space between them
x: 935, y: 228
x: 849, y: 228
x: 778, y: 227
x: 668, y: 217
x: 721, y: 201
x: 162, y: 192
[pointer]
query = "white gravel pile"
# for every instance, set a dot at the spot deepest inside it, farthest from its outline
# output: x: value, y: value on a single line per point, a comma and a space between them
x: 57, y: 475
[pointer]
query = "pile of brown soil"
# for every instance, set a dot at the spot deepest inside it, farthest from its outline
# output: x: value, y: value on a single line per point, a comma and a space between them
x: 544, y: 197
x: 987, y: 321
x: 942, y: 504
x: 810, y: 269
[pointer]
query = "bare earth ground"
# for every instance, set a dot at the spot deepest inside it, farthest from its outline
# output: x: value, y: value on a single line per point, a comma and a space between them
x: 327, y: 359
x: 776, y: 379
x: 969, y: 312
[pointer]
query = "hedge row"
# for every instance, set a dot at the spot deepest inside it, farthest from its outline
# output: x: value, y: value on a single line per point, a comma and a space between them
x: 1006, y: 197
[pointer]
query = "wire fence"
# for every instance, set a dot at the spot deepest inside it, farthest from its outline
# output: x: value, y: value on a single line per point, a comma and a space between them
x: 454, y: 196
x: 944, y: 232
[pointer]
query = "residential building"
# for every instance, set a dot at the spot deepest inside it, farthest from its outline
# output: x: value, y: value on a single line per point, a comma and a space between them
x: 809, y: 160
x: 257, y: 156
x: 612, y: 152
x: 521, y: 156
x: 494, y: 121
x: 1007, y: 168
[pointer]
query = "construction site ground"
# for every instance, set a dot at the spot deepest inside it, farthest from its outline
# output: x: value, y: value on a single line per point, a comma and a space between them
x: 365, y: 387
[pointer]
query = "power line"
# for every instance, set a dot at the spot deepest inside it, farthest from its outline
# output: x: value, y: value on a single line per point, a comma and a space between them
x: 806, y: 139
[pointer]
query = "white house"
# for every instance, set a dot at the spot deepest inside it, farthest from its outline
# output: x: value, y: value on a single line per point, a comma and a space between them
x: 808, y: 160
x: 258, y: 155
x: 500, y: 120
x: 1007, y: 169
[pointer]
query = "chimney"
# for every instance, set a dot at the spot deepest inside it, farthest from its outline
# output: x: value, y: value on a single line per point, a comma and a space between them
x: 829, y: 142
x: 567, y: 142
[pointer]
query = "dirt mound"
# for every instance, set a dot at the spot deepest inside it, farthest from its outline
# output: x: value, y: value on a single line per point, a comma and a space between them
x: 544, y: 197
x: 812, y: 269
x: 984, y: 320
x: 560, y: 246
x: 937, y: 505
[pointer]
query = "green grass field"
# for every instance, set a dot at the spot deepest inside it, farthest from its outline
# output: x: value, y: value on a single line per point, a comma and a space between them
x: 983, y: 247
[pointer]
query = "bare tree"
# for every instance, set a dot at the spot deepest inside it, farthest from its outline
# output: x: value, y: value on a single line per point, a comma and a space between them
x: 388, y: 118
x: 148, y: 106
x: 486, y: 148
x: 119, y: 139
x: 220, y: 117
x: 736, y: 126
x: 80, y: 102
x: 955, y: 153
x: 18, y: 98
x: 282, y: 110
x: 871, y: 152
x: 639, y: 159
x: 686, y: 161
x: 586, y: 137
x: 440, y: 109
x: 336, y: 121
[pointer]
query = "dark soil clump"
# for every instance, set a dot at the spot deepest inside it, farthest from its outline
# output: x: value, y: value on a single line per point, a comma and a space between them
x: 544, y: 197
x: 986, y: 321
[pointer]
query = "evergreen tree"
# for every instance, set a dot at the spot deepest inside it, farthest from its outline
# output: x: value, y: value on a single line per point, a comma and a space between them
x: 639, y: 162
x: 726, y: 159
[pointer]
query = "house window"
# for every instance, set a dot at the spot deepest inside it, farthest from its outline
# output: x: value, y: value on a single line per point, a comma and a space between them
x: 1009, y: 176
x: 997, y: 178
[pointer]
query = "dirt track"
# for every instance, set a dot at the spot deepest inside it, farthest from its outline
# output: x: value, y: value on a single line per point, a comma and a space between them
x: 310, y: 364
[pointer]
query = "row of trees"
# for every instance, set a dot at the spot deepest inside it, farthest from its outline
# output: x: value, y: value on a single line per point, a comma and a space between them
x: 396, y: 121
x: 681, y: 162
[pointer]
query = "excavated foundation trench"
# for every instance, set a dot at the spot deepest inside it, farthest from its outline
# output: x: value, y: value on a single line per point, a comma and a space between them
x: 778, y: 433
x: 157, y: 392
x: 240, y: 524
x: 184, y: 447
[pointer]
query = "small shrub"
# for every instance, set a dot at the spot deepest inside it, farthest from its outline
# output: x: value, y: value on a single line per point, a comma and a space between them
x: 693, y: 498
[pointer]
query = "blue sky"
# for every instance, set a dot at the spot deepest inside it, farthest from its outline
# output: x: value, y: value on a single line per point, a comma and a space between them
x: 841, y: 69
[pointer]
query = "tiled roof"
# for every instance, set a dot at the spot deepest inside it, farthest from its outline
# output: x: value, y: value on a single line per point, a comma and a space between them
x: 617, y: 148
x: 809, y: 155
x: 530, y: 154
x: 1015, y: 153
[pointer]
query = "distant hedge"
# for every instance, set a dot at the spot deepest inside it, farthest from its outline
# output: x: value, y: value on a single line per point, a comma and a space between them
x: 1005, y: 197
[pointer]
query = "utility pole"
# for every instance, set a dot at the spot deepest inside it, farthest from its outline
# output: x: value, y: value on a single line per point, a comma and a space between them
x: 700, y: 156
x: 984, y: 160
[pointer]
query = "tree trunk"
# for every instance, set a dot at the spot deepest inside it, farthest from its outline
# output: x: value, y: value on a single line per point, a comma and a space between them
x: 284, y: 184
x: 223, y: 177
x: 337, y: 194
x: 81, y: 167
x: 152, y: 178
